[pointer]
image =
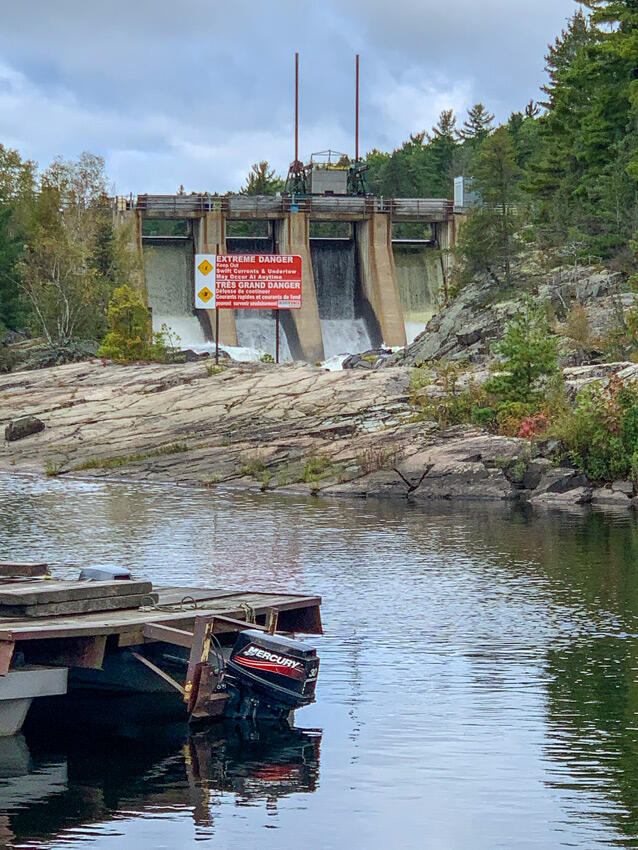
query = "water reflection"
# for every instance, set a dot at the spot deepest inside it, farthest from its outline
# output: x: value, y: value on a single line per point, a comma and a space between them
x: 51, y: 784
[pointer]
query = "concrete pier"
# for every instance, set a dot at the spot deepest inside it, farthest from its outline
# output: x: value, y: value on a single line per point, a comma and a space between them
x: 211, y: 239
x: 131, y: 221
x: 303, y: 327
x: 379, y: 277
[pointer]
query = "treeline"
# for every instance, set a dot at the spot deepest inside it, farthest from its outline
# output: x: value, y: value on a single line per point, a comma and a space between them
x: 61, y: 257
x: 560, y: 174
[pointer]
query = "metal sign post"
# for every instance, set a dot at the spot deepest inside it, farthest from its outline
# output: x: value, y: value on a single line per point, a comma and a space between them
x: 216, y: 319
x: 276, y: 336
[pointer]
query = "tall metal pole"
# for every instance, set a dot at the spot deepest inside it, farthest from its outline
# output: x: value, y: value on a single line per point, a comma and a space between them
x: 277, y: 336
x: 356, y: 111
x: 296, y: 107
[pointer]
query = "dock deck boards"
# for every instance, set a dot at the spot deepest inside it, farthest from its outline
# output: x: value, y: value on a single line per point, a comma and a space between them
x: 170, y: 610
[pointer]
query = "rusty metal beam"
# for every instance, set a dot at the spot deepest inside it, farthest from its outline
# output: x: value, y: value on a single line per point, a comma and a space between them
x: 158, y: 671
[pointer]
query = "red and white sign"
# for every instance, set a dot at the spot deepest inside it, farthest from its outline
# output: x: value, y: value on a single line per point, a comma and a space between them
x: 248, y: 281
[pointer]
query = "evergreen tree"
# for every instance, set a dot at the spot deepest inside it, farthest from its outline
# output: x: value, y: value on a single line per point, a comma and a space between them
x: 585, y: 173
x: 496, y: 176
x: 478, y: 124
x: 445, y: 128
x: 262, y: 180
x: 529, y: 354
x: 11, y: 247
x: 532, y: 110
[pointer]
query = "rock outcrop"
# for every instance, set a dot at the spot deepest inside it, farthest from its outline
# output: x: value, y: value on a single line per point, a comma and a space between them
x: 476, y: 319
x: 293, y: 428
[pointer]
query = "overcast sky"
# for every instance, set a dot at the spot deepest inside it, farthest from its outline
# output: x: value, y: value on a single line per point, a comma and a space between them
x: 193, y: 91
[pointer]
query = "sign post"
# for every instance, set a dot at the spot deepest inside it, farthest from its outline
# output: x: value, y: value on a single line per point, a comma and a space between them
x: 248, y: 282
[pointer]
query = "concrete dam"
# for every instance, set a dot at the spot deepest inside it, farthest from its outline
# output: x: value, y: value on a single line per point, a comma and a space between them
x: 361, y: 288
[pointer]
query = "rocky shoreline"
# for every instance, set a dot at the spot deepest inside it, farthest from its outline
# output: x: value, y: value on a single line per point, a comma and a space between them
x: 290, y: 429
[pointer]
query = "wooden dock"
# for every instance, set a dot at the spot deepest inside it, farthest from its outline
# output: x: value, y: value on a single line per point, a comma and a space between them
x: 70, y: 624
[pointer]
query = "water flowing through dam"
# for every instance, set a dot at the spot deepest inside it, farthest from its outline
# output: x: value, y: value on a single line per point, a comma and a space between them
x: 343, y: 327
x: 420, y: 280
x: 256, y: 328
x: 343, y: 311
x: 168, y: 270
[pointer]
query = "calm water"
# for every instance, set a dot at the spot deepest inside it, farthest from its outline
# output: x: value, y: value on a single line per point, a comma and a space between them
x: 478, y: 685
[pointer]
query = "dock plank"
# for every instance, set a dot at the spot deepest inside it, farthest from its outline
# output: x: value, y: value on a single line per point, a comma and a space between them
x: 76, y: 606
x: 231, y: 604
x: 40, y: 592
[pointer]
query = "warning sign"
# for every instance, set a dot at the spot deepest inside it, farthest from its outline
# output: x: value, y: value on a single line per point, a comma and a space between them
x: 248, y: 281
x: 205, y: 281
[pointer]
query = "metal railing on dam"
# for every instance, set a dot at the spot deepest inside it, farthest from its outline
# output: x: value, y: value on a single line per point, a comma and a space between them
x: 273, y: 207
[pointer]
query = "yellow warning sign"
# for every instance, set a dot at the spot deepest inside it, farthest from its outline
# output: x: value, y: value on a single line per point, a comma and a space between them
x: 205, y: 268
x: 205, y: 294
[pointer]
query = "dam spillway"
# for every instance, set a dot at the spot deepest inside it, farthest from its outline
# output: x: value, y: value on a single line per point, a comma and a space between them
x: 357, y: 292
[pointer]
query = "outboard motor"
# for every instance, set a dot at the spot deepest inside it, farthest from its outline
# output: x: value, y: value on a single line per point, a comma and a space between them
x: 274, y: 674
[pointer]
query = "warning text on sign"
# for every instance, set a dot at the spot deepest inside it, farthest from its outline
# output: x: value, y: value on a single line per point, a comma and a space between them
x: 250, y: 281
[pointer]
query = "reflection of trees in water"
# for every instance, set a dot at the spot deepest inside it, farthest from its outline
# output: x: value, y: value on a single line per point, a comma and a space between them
x: 586, y: 559
x: 593, y: 723
x: 585, y: 565
x: 86, y: 778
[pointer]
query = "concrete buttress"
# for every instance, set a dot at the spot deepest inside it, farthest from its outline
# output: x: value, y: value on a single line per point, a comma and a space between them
x: 212, y: 240
x: 303, y: 326
x: 379, y: 277
x: 131, y: 222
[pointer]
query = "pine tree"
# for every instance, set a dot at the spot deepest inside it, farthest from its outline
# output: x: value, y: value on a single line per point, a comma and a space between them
x: 262, y: 180
x: 529, y: 353
x: 478, y: 124
x: 588, y: 136
x: 11, y: 248
x: 445, y: 128
x: 489, y: 239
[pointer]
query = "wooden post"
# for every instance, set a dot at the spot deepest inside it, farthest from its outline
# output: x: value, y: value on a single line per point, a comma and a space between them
x: 198, y: 657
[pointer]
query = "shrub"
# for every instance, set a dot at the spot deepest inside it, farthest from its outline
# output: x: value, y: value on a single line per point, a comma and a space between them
x: 533, y: 426
x: 375, y: 458
x: 52, y: 468
x: 577, y: 327
x: 254, y: 467
x: 484, y: 417
x: 601, y: 434
x: 267, y: 358
x: 131, y: 336
x: 316, y: 468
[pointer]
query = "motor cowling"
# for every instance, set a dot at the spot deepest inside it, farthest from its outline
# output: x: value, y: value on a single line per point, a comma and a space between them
x: 279, y: 669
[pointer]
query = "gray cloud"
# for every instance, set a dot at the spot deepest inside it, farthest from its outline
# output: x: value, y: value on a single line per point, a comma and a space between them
x: 195, y: 92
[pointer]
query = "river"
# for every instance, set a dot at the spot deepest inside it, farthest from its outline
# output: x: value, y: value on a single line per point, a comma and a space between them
x: 477, y: 687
